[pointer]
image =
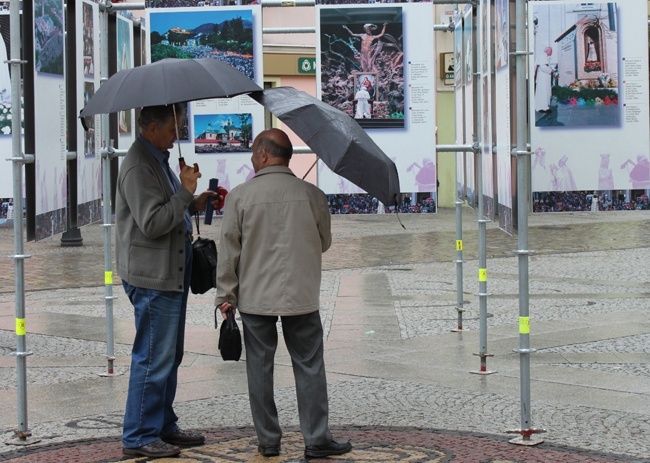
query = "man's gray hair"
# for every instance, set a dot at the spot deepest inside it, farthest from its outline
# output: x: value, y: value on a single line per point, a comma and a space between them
x: 274, y: 149
x: 160, y: 114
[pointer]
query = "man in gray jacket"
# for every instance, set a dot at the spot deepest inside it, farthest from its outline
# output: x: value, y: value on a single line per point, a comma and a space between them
x: 275, y: 228
x: 154, y: 261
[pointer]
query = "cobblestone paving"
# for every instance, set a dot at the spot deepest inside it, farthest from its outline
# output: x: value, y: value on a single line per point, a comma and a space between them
x: 583, y: 273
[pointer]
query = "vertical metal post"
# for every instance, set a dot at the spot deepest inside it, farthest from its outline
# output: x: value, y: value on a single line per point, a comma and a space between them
x: 106, y: 200
x: 482, y: 222
x: 523, y: 167
x: 22, y: 432
x: 459, y: 258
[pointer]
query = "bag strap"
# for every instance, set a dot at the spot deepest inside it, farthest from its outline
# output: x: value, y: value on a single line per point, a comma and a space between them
x: 196, y: 219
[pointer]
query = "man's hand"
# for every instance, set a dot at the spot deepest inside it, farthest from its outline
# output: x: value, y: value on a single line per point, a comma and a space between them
x: 189, y: 176
x: 225, y: 307
x: 218, y: 199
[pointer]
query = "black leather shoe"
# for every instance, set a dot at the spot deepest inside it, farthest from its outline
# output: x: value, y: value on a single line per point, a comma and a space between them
x: 331, y: 448
x: 269, y: 450
x: 186, y: 438
x: 156, y: 449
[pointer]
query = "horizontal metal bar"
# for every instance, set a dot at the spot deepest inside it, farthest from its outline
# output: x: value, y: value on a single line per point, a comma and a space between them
x: 289, y: 3
x: 26, y: 159
x: 289, y: 30
x: 71, y: 155
x: 454, y: 148
x: 302, y: 149
x: 108, y: 5
x: 20, y: 256
x: 443, y: 27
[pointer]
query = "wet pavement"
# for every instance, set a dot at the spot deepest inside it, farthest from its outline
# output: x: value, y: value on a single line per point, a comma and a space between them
x: 401, y: 384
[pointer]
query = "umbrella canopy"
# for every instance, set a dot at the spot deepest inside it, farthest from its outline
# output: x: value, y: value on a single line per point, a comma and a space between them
x: 168, y: 81
x: 337, y: 139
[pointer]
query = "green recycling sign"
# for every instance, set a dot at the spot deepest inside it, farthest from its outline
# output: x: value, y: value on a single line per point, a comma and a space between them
x: 306, y: 65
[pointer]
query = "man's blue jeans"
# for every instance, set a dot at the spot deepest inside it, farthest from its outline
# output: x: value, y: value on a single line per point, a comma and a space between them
x: 157, y: 353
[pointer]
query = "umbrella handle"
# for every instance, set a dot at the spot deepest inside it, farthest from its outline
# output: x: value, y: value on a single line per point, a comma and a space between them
x: 312, y: 166
x: 180, y: 156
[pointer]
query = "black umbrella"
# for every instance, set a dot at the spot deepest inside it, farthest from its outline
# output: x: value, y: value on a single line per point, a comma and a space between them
x: 337, y: 139
x: 168, y: 81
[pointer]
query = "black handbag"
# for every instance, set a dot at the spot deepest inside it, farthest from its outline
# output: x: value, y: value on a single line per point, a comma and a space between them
x: 229, y: 336
x: 204, y: 263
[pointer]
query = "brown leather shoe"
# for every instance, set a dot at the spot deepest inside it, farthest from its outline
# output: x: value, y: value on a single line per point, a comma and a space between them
x: 155, y: 449
x: 185, y: 438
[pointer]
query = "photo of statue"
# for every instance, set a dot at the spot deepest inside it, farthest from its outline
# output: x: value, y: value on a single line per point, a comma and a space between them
x: 362, y: 64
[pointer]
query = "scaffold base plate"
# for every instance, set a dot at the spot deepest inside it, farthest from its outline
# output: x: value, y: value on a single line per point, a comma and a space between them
x: 531, y: 441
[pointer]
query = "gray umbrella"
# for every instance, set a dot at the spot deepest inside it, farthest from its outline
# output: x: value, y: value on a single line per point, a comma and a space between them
x: 168, y: 81
x: 337, y: 139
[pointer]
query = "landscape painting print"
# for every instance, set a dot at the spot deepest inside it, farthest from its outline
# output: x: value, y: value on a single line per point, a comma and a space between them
x: 223, y: 133
x: 225, y: 34
x: 48, y: 36
x: 362, y: 71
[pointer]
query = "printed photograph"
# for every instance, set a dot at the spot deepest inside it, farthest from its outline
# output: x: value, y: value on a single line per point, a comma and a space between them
x: 197, y: 3
x: 226, y: 35
x: 89, y: 135
x: 502, y: 32
x: 576, y: 64
x: 5, y: 76
x: 48, y: 36
x: 124, y: 61
x: 361, y: 47
x: 88, y: 41
x: 223, y: 133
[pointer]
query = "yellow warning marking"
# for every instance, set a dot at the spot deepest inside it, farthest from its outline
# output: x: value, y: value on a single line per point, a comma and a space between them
x: 108, y: 278
x: 21, y: 328
x: 459, y: 245
x: 524, y: 325
x: 482, y: 274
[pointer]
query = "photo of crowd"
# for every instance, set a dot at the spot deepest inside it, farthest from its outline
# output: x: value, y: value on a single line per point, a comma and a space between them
x: 576, y: 201
x: 365, y: 204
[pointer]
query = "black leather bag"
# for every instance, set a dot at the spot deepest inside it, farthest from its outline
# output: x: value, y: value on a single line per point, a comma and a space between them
x: 204, y: 264
x: 229, y: 337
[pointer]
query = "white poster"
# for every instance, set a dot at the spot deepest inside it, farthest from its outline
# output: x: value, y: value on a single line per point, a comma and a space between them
x: 89, y: 177
x: 459, y: 105
x: 376, y: 65
x: 50, y: 118
x: 217, y: 134
x: 6, y: 144
x: 470, y: 136
x: 125, y: 119
x: 502, y: 113
x: 485, y: 118
x: 590, y: 94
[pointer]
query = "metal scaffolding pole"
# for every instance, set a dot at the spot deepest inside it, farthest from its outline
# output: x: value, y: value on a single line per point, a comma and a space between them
x: 459, y: 235
x: 523, y: 166
x: 22, y: 433
x: 482, y: 221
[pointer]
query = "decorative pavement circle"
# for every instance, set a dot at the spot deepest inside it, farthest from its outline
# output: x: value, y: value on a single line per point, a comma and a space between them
x: 370, y: 444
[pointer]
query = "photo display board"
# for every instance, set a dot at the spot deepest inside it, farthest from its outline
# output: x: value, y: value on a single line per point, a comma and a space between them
x: 468, y: 108
x: 89, y: 177
x: 6, y: 143
x: 376, y: 65
x: 459, y: 104
x: 589, y: 96
x: 502, y: 113
x: 217, y: 134
x: 50, y: 118
x: 485, y: 118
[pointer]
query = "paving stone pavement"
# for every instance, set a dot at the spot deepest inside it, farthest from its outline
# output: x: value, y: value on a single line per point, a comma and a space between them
x: 400, y: 381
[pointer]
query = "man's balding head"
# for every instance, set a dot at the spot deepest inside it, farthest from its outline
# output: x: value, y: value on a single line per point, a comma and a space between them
x: 271, y: 147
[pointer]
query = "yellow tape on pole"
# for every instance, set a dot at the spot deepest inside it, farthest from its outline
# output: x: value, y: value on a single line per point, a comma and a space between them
x: 108, y: 278
x: 524, y: 325
x: 459, y: 245
x: 482, y: 274
x: 21, y: 327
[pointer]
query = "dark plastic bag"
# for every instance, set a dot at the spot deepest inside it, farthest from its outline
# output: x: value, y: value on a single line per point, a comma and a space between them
x: 229, y: 337
x: 204, y: 265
